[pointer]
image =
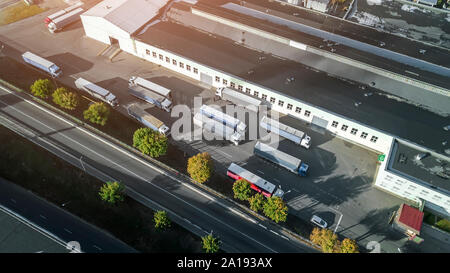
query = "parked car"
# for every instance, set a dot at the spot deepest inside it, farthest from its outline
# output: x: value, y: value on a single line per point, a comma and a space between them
x: 319, y: 221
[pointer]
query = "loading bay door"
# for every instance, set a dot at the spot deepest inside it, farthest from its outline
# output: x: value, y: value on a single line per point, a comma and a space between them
x: 320, y: 122
x: 206, y: 78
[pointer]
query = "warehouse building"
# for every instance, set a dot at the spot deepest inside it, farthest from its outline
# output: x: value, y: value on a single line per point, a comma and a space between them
x: 286, y: 85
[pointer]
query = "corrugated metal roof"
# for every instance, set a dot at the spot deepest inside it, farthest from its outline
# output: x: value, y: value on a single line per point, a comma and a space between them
x: 128, y: 15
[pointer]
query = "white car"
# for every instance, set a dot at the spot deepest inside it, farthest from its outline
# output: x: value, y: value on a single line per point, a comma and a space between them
x: 319, y: 221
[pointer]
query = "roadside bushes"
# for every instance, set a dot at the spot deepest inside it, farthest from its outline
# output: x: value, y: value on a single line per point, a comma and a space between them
x: 150, y: 142
x: 41, y: 88
x: 200, y: 167
x: 97, y: 113
x: 65, y: 99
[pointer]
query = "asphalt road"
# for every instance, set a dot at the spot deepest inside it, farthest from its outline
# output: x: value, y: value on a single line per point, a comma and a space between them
x: 200, y: 212
x: 58, y: 222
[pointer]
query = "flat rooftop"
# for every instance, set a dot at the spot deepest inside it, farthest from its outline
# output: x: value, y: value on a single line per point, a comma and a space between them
x: 315, y: 88
x: 431, y: 169
x: 308, y: 32
x: 355, y: 31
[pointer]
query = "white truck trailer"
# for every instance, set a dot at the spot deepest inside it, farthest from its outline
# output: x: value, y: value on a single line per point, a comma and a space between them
x: 59, y: 13
x: 223, y: 118
x: 148, y: 120
x: 217, y: 128
x: 150, y: 92
x: 280, y: 158
x: 96, y: 91
x: 238, y: 98
x: 64, y: 20
x: 285, y: 131
x: 42, y: 64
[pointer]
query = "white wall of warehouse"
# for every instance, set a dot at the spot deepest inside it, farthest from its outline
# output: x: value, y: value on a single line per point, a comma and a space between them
x: 102, y: 30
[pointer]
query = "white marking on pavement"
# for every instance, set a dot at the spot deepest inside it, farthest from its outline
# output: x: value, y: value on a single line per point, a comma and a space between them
x: 262, y: 226
x: 242, y: 215
x: 260, y: 171
x: 68, y: 231
x: 274, y: 232
x: 225, y: 154
x: 42, y: 216
x: 97, y: 247
x: 12, y: 200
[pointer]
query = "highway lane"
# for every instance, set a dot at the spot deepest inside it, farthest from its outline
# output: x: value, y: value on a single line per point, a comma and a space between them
x: 58, y: 222
x: 209, y: 214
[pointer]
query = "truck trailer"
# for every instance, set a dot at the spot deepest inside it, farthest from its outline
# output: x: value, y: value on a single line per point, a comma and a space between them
x: 64, y: 20
x: 148, y: 120
x: 150, y: 92
x: 217, y: 128
x: 280, y: 158
x: 42, y: 64
x: 96, y: 91
x: 223, y: 118
x: 285, y: 131
x: 238, y: 98
x: 59, y: 13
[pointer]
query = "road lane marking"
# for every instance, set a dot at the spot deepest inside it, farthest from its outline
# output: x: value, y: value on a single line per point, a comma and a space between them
x: 128, y: 154
x: 97, y: 247
x: 68, y: 231
x: 42, y: 216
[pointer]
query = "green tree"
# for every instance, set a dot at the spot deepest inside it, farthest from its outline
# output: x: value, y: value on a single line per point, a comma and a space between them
x: 41, y: 88
x: 161, y: 219
x: 112, y: 192
x: 97, y: 113
x: 257, y: 202
x: 326, y: 239
x: 150, y: 142
x: 242, y: 190
x: 210, y: 244
x: 348, y: 246
x: 275, y: 209
x: 200, y: 167
x: 65, y: 99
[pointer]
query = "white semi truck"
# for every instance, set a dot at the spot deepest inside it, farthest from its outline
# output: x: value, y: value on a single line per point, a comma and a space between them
x: 96, y: 91
x: 217, y: 128
x: 62, y: 21
x: 223, y: 118
x: 285, y: 131
x: 42, y: 64
x: 238, y: 98
x: 148, y: 120
x: 150, y: 92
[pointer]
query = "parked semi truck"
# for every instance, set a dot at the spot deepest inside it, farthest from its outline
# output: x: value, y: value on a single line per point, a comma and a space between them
x: 285, y: 131
x: 42, y: 64
x: 238, y: 98
x: 148, y: 120
x: 217, y: 128
x: 223, y: 118
x: 59, y: 13
x: 96, y: 91
x: 64, y: 20
x: 280, y: 158
x: 150, y: 92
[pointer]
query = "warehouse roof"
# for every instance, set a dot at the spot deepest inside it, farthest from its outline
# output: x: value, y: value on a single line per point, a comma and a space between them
x: 315, y: 88
x: 431, y: 169
x: 128, y: 15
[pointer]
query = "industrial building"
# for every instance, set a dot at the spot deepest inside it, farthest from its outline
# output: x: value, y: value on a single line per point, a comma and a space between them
x: 219, y: 62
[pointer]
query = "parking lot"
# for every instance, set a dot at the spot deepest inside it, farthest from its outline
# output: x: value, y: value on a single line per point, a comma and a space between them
x: 338, y: 187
